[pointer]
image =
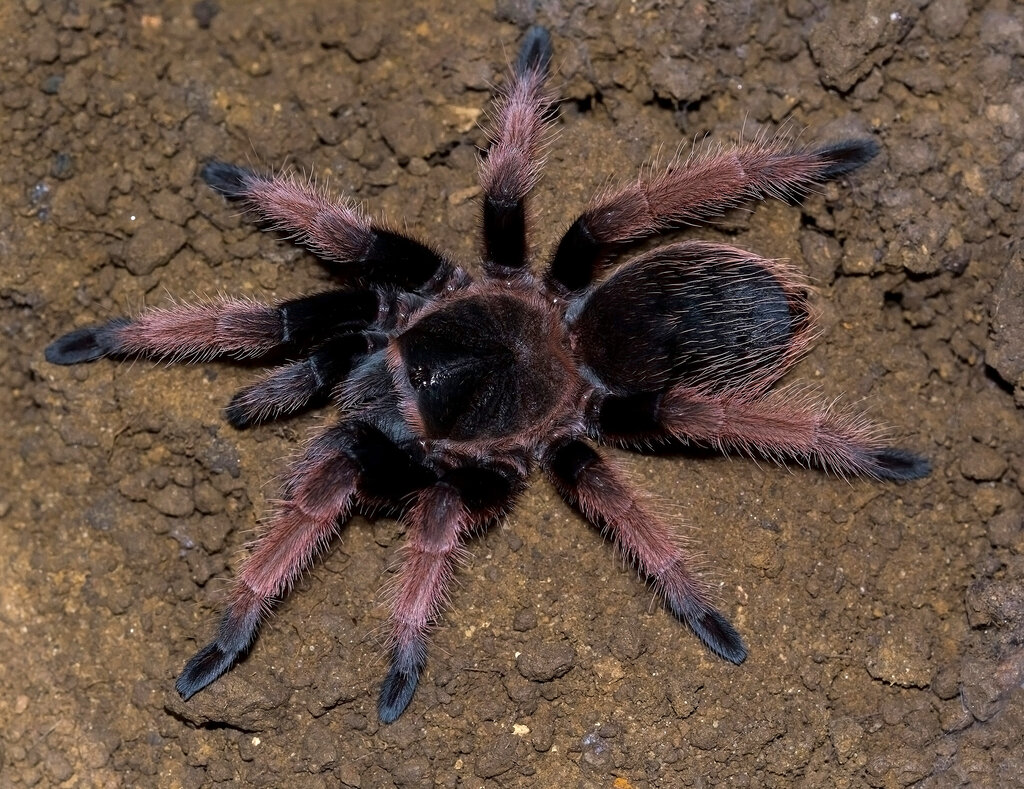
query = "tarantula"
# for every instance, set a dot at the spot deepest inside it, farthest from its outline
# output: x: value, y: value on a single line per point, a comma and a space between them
x: 452, y: 389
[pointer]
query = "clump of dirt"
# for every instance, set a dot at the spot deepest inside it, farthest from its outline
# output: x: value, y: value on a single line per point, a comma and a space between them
x: 884, y: 622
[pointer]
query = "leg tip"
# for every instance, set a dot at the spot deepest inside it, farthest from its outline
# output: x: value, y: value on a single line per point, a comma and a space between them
x: 715, y: 631
x: 899, y: 465
x: 395, y: 694
x: 400, y: 684
x: 206, y: 665
x: 240, y: 413
x: 846, y: 156
x: 229, y: 180
x: 535, y: 52
x: 85, y: 345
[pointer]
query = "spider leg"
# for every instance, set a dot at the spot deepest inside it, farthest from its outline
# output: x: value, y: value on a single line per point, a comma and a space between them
x: 439, y: 520
x: 239, y: 328
x: 595, y: 485
x: 303, y: 384
x: 351, y: 460
x: 701, y: 333
x: 513, y: 163
x: 703, y: 186
x: 781, y: 425
x: 334, y: 230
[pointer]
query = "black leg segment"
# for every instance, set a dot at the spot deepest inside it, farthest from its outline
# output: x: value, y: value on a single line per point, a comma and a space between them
x: 234, y: 637
x: 302, y: 385
x: 576, y: 260
x: 504, y: 235
x: 844, y: 157
x: 86, y: 345
x: 308, y: 320
x: 400, y: 684
x: 899, y: 465
x: 710, y: 627
x: 535, y: 52
x: 398, y: 260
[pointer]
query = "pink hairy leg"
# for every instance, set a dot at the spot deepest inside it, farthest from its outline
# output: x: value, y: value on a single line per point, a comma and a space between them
x: 438, y: 522
x: 513, y: 163
x: 785, y: 425
x: 241, y: 328
x: 702, y: 186
x: 229, y: 327
x: 440, y: 519
x: 334, y: 230
x: 319, y: 493
x: 706, y: 185
x: 598, y: 488
x: 184, y: 332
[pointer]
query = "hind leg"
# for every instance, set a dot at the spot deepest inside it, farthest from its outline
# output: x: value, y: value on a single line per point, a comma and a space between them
x: 590, y: 482
x: 781, y: 425
x: 439, y: 521
x: 344, y: 463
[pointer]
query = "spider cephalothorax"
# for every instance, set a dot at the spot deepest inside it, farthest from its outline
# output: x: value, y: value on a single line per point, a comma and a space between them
x: 452, y: 390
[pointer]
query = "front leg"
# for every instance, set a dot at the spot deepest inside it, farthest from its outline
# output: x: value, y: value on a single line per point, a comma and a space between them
x: 691, y: 191
x: 334, y: 230
x: 514, y: 160
x: 224, y: 327
x: 593, y: 484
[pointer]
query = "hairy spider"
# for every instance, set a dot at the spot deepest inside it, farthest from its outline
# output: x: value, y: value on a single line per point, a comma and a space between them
x: 452, y: 390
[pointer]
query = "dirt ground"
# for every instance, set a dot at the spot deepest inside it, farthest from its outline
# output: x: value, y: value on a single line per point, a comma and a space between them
x: 885, y: 622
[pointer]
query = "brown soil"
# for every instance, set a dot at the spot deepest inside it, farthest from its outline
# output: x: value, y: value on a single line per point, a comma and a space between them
x: 885, y: 622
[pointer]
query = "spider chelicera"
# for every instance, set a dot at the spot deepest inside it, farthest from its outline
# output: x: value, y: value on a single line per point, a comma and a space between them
x: 452, y: 390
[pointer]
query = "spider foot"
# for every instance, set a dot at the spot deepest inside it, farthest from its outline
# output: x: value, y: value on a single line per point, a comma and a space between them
x: 399, y: 685
x: 713, y: 629
x: 846, y: 156
x: 86, y: 345
x: 899, y: 465
x: 205, y: 666
x: 230, y: 180
x: 235, y: 635
x: 535, y: 52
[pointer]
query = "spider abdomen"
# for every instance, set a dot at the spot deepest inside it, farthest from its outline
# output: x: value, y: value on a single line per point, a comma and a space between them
x: 690, y: 312
x: 489, y: 364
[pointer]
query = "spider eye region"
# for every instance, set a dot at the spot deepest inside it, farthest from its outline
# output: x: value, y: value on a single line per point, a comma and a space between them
x: 421, y: 376
x: 480, y: 368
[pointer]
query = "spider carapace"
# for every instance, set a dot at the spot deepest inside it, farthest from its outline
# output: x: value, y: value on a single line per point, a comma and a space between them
x: 452, y: 390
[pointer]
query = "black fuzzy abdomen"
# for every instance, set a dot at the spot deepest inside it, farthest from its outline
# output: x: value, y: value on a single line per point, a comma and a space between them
x: 669, y: 318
